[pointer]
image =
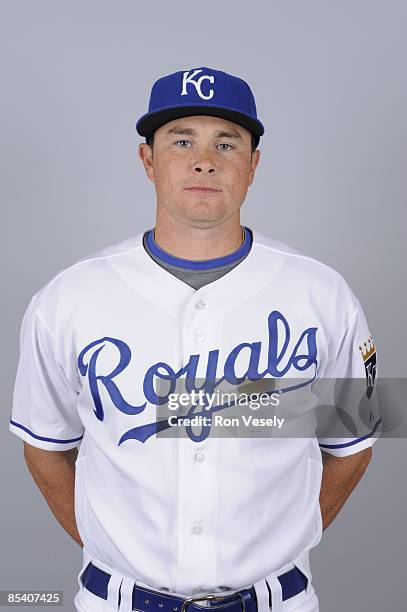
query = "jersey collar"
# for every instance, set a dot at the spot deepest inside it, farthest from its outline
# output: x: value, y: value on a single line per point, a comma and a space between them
x: 204, y: 264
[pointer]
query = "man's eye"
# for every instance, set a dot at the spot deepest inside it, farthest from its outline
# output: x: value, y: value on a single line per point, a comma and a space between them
x: 224, y: 144
x: 178, y: 141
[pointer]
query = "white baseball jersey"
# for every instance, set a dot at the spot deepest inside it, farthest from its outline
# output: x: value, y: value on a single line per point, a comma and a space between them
x: 176, y: 513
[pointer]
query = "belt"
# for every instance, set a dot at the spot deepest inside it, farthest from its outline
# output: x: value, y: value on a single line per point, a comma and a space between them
x: 96, y: 581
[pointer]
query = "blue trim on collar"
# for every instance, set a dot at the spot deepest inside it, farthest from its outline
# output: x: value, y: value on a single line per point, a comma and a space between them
x: 203, y: 264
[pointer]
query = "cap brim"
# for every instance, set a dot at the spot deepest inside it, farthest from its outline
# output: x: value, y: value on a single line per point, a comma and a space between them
x: 150, y: 122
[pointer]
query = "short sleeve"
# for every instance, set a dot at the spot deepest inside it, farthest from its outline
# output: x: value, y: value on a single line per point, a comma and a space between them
x: 44, y: 412
x: 348, y: 393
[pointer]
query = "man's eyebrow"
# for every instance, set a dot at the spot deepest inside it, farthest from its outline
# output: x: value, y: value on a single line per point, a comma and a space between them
x: 192, y: 132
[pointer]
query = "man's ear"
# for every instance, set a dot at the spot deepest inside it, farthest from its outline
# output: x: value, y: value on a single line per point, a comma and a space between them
x: 253, y: 165
x: 146, y: 155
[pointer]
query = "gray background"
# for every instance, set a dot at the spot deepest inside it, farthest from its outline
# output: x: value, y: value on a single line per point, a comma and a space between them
x: 329, y: 82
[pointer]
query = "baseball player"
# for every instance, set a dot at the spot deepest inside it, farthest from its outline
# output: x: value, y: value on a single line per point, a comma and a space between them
x: 169, y: 515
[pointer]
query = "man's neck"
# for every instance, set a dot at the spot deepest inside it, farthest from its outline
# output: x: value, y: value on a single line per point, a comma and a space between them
x: 199, y: 243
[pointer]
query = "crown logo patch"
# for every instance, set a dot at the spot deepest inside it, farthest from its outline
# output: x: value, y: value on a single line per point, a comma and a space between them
x: 368, y: 351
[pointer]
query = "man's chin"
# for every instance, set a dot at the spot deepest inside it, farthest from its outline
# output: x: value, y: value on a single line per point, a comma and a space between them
x: 203, y: 214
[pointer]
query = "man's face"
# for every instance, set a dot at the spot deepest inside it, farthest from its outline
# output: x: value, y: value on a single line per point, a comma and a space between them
x: 200, y: 151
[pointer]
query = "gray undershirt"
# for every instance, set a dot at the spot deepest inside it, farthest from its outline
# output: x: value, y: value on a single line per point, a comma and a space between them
x: 194, y: 278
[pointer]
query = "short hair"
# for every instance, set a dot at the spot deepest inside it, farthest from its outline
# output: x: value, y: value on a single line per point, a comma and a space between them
x: 255, y: 141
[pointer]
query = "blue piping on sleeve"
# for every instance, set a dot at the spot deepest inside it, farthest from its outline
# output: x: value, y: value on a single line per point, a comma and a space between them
x: 44, y: 439
x: 369, y: 435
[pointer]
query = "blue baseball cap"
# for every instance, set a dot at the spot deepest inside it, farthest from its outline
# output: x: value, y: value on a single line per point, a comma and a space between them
x: 200, y: 91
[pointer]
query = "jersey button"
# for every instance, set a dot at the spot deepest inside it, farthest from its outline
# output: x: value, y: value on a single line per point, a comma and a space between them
x: 197, y: 529
x: 199, y: 335
x: 201, y: 304
x: 199, y: 457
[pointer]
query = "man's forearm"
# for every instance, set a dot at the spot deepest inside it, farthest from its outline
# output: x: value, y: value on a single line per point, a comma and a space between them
x: 54, y: 474
x: 340, y: 476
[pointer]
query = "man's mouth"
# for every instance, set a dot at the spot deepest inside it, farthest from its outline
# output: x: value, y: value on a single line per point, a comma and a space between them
x: 204, y: 189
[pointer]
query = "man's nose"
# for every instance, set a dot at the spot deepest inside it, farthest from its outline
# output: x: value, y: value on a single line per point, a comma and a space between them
x: 205, y: 168
x: 205, y: 164
x: 204, y: 161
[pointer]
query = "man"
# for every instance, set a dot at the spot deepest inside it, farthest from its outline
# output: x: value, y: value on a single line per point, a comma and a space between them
x: 170, y: 520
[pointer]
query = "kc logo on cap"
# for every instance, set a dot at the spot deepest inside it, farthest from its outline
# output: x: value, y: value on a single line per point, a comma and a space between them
x: 190, y: 79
